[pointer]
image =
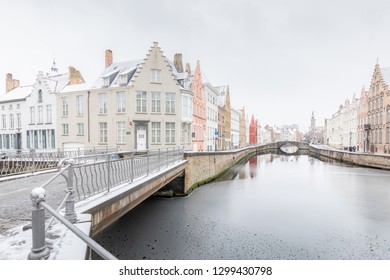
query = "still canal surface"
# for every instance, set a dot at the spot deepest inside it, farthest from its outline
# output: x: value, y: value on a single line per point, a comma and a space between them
x: 271, y: 207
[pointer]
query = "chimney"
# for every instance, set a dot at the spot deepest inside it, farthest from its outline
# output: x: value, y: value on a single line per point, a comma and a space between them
x: 108, y: 57
x: 8, y: 82
x: 75, y: 76
x: 178, y: 61
x: 188, y: 68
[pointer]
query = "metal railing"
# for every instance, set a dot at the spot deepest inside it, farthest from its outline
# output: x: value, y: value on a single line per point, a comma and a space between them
x: 87, y: 176
x: 30, y: 161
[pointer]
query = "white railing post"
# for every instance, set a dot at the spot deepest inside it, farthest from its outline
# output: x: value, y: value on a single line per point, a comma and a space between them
x: 39, y: 251
x: 70, y: 213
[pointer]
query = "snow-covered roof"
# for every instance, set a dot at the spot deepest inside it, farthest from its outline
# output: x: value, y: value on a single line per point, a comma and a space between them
x: 123, y: 68
x: 76, y: 87
x: 18, y: 93
x: 57, y: 82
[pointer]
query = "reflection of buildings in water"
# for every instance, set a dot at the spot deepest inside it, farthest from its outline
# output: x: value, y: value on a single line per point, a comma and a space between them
x: 253, y: 167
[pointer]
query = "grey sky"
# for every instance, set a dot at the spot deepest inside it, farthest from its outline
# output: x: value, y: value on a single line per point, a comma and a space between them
x: 282, y: 59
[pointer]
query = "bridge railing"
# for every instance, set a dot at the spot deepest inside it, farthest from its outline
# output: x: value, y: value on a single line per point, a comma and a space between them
x: 30, y: 161
x: 90, y: 175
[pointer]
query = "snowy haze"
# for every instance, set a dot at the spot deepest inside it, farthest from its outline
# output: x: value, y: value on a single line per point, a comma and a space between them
x: 282, y: 59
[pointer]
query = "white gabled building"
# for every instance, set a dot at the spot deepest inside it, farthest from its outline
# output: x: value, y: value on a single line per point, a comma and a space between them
x: 28, y: 113
x: 211, y: 94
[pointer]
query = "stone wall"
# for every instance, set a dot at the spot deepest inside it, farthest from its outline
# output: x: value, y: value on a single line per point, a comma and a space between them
x: 206, y: 166
x: 361, y: 159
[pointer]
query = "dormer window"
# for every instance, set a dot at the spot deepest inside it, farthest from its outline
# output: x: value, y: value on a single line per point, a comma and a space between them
x: 123, y: 79
x: 155, y: 76
x: 106, y: 81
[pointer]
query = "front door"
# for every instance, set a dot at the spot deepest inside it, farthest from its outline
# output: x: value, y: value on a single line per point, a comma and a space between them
x: 141, y: 139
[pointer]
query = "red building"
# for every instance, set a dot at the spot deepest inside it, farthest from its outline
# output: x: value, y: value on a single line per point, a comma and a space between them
x: 253, y: 131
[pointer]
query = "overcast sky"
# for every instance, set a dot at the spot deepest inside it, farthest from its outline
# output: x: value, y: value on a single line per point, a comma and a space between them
x: 282, y: 59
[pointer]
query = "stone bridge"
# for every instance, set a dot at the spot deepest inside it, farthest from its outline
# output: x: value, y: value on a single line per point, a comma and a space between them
x: 278, y: 146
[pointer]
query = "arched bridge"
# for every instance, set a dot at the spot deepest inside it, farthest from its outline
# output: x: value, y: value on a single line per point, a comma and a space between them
x: 278, y: 146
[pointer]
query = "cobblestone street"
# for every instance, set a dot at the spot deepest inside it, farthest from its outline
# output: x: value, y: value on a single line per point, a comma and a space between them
x: 15, y: 204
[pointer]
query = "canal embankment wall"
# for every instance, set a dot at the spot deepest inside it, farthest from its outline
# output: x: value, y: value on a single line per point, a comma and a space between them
x: 204, y: 167
x: 354, y: 158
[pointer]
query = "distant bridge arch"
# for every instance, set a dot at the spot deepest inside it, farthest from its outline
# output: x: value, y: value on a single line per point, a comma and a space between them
x: 278, y: 146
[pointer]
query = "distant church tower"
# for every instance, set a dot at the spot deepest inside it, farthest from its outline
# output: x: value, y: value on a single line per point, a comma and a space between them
x: 54, y: 68
x: 312, y: 126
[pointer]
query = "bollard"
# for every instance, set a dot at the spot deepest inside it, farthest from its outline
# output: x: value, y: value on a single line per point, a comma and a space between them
x: 39, y: 251
x: 70, y: 214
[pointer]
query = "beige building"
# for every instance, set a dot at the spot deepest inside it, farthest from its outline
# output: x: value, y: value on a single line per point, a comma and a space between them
x: 378, y: 114
x: 224, y: 118
x: 132, y: 104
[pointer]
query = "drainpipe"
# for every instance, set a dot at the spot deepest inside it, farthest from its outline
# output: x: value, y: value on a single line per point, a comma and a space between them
x: 89, y: 135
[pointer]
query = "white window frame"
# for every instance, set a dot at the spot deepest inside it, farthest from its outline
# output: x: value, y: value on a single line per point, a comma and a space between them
x: 65, y: 106
x: 80, y: 105
x: 103, y: 137
x: 170, y: 103
x: 170, y: 132
x: 80, y: 129
x: 48, y: 114
x: 156, y: 132
x: 11, y: 121
x: 65, y: 129
x: 155, y: 75
x: 103, y: 103
x: 32, y: 115
x: 156, y: 102
x: 141, y: 97
x: 40, y: 114
x: 120, y: 132
x: 121, y: 102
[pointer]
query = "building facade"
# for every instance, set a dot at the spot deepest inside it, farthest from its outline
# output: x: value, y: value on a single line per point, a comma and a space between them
x: 243, y: 129
x: 224, y: 118
x: 134, y: 105
x: 235, y: 129
x: 199, y: 111
x: 211, y: 95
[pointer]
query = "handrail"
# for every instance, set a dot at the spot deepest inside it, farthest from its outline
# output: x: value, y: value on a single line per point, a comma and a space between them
x: 80, y: 176
x: 88, y: 240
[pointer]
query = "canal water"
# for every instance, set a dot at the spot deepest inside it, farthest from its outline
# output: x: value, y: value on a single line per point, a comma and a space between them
x: 270, y: 207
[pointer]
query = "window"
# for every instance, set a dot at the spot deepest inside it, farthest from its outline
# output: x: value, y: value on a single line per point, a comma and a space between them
x: 169, y: 103
x: 120, y: 132
x: 156, y: 132
x: 32, y: 115
x: 123, y: 79
x: 65, y: 106
x: 387, y: 135
x: 102, y: 103
x: 80, y: 129
x: 40, y: 96
x: 156, y: 102
x: 380, y: 135
x: 170, y: 132
x: 121, y: 102
x: 40, y: 114
x: 11, y: 121
x: 141, y: 102
x: 48, y: 114
x: 155, y: 76
x: 102, y: 132
x: 18, y: 120
x: 65, y: 129
x: 80, y: 105
x: 388, y: 115
x: 106, y: 81
x: 3, y: 121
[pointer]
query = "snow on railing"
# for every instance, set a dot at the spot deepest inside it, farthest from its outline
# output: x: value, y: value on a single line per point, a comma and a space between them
x: 89, y: 175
